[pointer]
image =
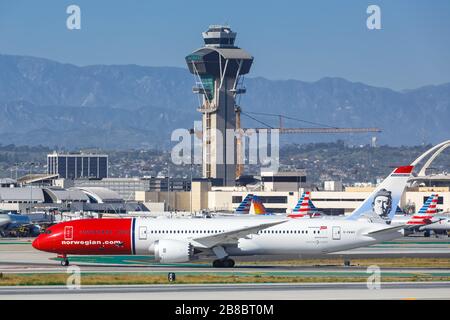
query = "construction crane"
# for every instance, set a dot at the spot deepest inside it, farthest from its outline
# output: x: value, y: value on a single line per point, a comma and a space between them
x: 283, y: 130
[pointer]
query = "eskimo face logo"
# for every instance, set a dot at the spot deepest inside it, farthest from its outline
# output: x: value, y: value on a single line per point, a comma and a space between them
x: 382, y: 203
x: 68, y: 233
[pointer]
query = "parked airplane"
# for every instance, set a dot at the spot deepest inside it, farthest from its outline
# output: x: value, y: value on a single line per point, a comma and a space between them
x: 18, y: 224
x: 441, y: 226
x: 304, y: 207
x: 428, y: 211
x: 182, y: 240
x: 436, y: 222
x: 4, y: 219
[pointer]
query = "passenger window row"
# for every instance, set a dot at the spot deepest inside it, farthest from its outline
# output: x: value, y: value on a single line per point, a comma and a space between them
x: 186, y: 231
x: 220, y: 231
x: 288, y: 231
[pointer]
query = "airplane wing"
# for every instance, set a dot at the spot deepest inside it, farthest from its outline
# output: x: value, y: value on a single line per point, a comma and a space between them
x: 387, y: 230
x: 399, y: 227
x: 233, y: 236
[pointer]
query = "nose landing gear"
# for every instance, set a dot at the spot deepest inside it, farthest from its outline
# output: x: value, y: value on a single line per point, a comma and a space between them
x: 64, y: 261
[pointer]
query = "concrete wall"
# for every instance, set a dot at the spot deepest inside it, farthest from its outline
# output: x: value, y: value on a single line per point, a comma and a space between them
x: 200, y: 195
x: 179, y: 200
x: 220, y: 201
x: 338, y: 200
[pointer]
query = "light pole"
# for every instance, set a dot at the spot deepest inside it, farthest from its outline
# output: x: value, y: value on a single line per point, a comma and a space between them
x: 31, y: 186
x: 190, y: 204
x: 168, y: 186
x: 17, y: 168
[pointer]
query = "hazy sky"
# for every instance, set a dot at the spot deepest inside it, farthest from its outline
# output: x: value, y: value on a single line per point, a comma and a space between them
x: 304, y: 40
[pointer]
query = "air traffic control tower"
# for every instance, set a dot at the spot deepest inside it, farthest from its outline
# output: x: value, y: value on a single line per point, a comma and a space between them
x: 218, y: 67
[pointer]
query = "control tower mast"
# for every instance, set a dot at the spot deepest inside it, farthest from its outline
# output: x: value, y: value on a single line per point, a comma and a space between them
x: 218, y: 66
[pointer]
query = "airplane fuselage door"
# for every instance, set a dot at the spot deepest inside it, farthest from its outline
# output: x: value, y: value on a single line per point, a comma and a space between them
x: 142, y: 233
x: 336, y: 233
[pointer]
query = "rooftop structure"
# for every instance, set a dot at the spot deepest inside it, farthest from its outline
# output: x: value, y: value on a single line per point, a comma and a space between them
x: 22, y: 195
x: 423, y: 177
x: 101, y: 195
x: 60, y: 195
x: 283, y: 181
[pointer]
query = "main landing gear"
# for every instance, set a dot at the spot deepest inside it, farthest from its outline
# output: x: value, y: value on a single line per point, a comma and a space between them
x: 223, y: 263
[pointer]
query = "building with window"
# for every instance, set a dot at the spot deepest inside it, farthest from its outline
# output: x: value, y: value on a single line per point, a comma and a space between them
x: 76, y: 166
x: 283, y: 181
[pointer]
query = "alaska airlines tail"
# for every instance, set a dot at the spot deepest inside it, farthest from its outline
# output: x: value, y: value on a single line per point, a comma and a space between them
x: 383, y: 201
x: 244, y: 207
x: 257, y: 206
x: 425, y: 213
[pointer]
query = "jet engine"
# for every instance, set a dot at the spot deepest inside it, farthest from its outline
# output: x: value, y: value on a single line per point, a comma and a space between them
x: 406, y: 232
x: 173, y: 251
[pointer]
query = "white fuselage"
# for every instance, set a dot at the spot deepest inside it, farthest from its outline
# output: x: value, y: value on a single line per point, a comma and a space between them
x: 295, y: 236
x: 442, y: 223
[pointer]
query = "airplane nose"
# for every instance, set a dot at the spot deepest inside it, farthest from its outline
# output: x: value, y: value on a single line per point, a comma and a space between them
x: 43, y: 243
x: 36, y: 243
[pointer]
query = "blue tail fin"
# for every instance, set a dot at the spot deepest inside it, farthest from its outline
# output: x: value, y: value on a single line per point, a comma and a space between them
x: 244, y: 207
x: 430, y: 205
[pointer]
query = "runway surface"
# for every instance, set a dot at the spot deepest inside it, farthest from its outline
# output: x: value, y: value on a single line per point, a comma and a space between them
x: 21, y: 253
x: 410, y: 290
x: 18, y: 257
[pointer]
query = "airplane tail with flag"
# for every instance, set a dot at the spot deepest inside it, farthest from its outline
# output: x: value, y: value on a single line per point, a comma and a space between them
x: 244, y: 207
x: 383, y: 201
x: 304, y: 207
x: 426, y: 213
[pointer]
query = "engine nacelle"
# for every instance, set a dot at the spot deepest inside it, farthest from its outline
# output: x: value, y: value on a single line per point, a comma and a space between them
x: 406, y: 232
x: 173, y: 251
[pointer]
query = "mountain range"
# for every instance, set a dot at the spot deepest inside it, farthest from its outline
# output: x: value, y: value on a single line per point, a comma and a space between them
x: 44, y: 102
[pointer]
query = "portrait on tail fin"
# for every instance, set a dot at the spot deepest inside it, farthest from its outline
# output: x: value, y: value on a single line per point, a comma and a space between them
x: 382, y: 203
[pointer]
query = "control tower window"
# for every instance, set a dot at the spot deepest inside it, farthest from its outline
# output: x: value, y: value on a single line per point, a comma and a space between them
x: 219, y: 41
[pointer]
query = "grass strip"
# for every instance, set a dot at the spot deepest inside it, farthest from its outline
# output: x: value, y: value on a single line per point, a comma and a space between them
x: 381, y: 262
x: 130, y: 279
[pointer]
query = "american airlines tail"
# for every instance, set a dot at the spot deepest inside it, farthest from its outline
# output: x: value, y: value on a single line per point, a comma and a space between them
x: 304, y: 206
x: 429, y: 207
x: 382, y: 203
x: 425, y: 213
x: 244, y: 207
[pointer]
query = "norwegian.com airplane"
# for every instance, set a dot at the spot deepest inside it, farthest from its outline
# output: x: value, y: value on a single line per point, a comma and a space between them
x: 183, y: 240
